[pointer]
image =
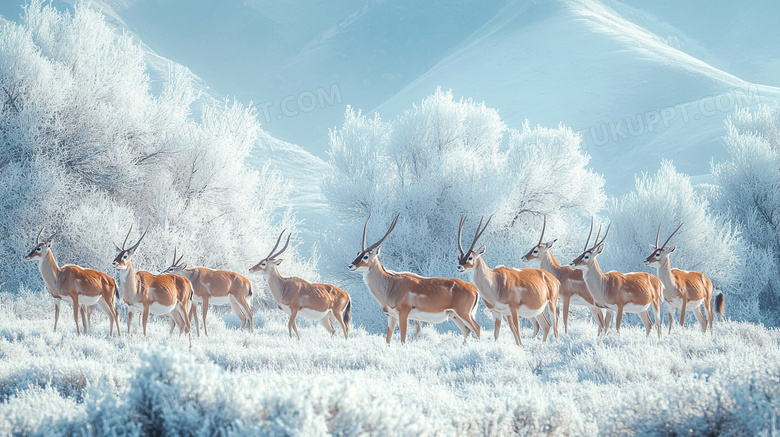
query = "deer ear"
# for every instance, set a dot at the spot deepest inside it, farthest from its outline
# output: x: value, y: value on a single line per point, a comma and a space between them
x: 673, y: 248
x: 550, y: 244
x: 278, y: 261
x: 600, y: 248
x: 652, y: 246
x: 481, y: 250
x: 377, y: 250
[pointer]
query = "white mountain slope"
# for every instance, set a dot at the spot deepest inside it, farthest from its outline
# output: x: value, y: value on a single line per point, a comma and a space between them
x: 585, y: 65
x: 612, y: 69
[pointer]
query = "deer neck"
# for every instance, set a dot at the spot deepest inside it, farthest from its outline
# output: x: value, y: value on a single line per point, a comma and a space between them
x: 596, y: 281
x: 378, y: 281
x: 551, y: 265
x: 50, y: 272
x: 276, y: 283
x: 485, y: 280
x: 665, y: 275
x: 129, y: 282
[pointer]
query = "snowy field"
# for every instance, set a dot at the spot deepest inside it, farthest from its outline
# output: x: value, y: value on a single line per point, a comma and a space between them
x: 237, y: 383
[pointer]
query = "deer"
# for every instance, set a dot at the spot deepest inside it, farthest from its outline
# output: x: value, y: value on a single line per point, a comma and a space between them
x: 507, y: 292
x: 573, y: 289
x: 146, y: 293
x: 682, y: 289
x: 215, y: 287
x: 407, y: 296
x: 295, y: 296
x: 619, y: 292
x: 81, y: 287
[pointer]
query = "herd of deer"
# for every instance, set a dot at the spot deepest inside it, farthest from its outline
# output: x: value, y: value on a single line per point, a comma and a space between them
x: 508, y: 293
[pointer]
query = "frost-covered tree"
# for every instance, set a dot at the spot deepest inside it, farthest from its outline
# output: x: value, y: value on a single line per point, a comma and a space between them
x: 706, y: 243
x: 87, y: 149
x: 748, y: 192
x: 446, y: 157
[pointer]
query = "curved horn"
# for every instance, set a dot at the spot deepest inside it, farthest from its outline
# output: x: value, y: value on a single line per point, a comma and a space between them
x: 460, y: 232
x: 585, y: 249
x: 135, y: 246
x: 271, y: 253
x: 127, y: 236
x: 544, y: 226
x: 670, y: 237
x: 381, y: 240
x: 55, y: 233
x: 365, y: 228
x: 38, y: 238
x: 657, y: 234
x: 480, y: 231
x: 174, y: 257
x: 602, y: 238
x: 287, y: 243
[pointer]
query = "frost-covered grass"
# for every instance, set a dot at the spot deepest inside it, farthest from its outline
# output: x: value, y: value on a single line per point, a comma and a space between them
x: 240, y: 383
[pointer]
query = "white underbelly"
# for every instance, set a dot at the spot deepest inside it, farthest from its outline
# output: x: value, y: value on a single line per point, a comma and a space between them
x: 500, y: 309
x: 416, y: 314
x: 524, y: 311
x: 633, y: 308
x: 222, y: 300
x: 158, y: 308
x: 312, y: 314
x: 83, y: 300
x: 577, y: 300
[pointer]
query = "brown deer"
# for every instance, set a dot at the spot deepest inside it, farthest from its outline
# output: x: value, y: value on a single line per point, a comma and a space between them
x: 323, y: 302
x: 510, y: 293
x: 406, y: 296
x: 216, y: 287
x: 682, y: 289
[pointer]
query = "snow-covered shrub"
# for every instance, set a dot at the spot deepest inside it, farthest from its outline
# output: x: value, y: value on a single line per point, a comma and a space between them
x: 87, y: 149
x: 748, y: 192
x: 705, y: 243
x: 443, y: 158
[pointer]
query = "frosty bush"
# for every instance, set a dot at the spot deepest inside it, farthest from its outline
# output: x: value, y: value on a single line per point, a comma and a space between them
x: 706, y: 242
x: 87, y: 150
x: 748, y: 192
x: 443, y: 158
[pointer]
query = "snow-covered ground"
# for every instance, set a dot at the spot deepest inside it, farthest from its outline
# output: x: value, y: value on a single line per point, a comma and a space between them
x: 237, y: 382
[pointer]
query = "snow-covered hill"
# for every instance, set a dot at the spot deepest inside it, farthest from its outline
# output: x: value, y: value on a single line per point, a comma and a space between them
x: 640, y: 80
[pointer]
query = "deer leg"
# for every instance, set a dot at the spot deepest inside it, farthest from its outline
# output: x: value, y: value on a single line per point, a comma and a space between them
x: 598, y: 316
x: 391, y: 321
x: 496, y: 325
x: 702, y: 320
x: 76, y: 308
x: 542, y: 321
x: 145, y: 318
x: 469, y: 323
x: 84, y: 310
x: 193, y: 315
x: 339, y: 316
x: 462, y: 326
x: 683, y: 309
x: 566, y: 302
x: 552, y: 307
x: 619, y: 318
x: 291, y: 324
x: 325, y: 321
x: 205, y: 305
x: 56, y: 313
x: 710, y: 312
x: 514, y: 325
x: 417, y: 329
x: 402, y: 323
x: 607, y: 320
x: 129, y: 319
x: 249, y: 316
x: 646, y: 321
x: 106, y: 309
x: 671, y: 318
x: 657, y: 309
